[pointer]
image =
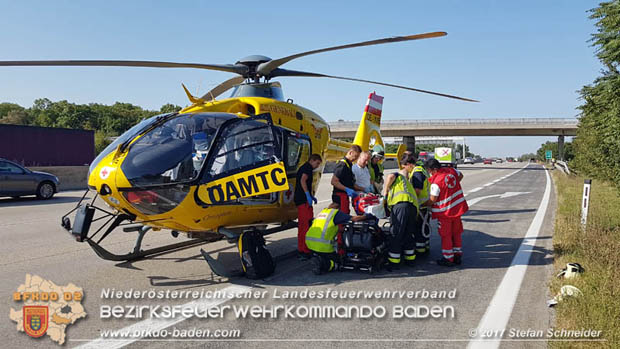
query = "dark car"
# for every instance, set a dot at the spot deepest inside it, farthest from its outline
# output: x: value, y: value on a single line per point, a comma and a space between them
x: 16, y: 181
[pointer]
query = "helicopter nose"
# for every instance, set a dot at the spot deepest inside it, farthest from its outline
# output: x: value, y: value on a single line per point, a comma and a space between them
x: 103, y: 178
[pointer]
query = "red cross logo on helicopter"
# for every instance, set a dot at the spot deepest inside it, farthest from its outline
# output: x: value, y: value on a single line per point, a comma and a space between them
x: 105, y: 172
x: 450, y: 181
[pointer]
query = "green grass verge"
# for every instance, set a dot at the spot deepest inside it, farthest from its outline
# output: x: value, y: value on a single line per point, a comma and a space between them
x: 597, y: 249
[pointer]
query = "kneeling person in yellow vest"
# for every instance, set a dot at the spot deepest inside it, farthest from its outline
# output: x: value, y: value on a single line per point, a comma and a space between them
x: 321, y: 237
x: 403, y: 204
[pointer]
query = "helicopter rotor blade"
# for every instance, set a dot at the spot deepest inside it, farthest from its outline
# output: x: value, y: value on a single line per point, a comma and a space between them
x: 266, y: 68
x: 223, y: 87
x: 286, y: 72
x: 237, y: 69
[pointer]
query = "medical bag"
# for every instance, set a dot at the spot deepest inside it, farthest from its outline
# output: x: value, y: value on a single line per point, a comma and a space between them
x: 363, y: 201
x: 364, y: 246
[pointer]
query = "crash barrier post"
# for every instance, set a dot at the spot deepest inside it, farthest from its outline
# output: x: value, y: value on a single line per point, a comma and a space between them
x: 563, y: 166
x: 585, y: 202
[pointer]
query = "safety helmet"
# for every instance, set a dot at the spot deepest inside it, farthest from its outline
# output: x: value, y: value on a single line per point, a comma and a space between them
x: 377, y: 150
x: 571, y: 270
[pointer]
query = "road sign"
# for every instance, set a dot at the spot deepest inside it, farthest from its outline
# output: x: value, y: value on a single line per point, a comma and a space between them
x: 548, y: 154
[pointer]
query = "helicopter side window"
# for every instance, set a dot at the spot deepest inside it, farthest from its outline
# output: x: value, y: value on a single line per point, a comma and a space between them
x: 244, y: 145
x: 297, y: 152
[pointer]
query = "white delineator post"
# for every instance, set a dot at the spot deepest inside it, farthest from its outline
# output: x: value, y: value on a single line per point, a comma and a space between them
x: 464, y: 152
x: 585, y: 202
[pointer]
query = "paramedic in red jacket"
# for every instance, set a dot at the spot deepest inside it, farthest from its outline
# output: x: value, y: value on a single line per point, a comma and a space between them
x: 447, y: 206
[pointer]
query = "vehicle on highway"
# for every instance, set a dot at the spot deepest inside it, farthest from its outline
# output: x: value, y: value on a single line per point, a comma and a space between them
x: 468, y: 161
x: 424, y: 155
x: 447, y: 156
x: 219, y: 167
x: 487, y: 162
x: 16, y: 181
x: 499, y: 161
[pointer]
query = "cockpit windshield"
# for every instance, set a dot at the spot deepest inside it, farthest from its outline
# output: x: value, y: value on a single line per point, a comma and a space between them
x: 174, y: 151
x: 129, y: 134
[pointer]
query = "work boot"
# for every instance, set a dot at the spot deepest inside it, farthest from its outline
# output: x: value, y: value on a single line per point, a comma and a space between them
x: 422, y: 252
x: 457, y: 259
x: 444, y: 262
x: 392, y: 266
x: 316, y: 265
x: 410, y: 262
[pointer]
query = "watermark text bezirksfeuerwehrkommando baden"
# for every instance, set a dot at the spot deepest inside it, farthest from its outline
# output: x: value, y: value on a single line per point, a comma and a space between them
x: 410, y: 307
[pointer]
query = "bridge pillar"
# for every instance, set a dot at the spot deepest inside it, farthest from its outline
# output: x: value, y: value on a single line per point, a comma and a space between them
x: 561, y: 148
x: 409, y: 142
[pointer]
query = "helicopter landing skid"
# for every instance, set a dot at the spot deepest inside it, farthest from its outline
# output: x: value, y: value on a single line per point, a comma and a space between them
x: 138, y: 252
x: 85, y: 215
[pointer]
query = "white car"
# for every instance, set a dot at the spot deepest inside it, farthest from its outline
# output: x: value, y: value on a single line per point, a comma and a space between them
x: 468, y: 161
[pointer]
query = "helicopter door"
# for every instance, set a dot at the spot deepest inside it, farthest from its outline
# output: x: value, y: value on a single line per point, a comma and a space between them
x: 244, y: 165
x: 296, y: 152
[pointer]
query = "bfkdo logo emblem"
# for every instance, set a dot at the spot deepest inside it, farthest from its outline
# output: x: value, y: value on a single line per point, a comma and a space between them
x: 36, y: 319
x: 46, y: 309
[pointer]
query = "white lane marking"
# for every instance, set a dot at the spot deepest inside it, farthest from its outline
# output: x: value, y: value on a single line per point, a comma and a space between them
x: 497, y: 180
x: 474, y: 190
x: 153, y: 325
x: 499, y: 310
x: 501, y: 196
x: 513, y: 193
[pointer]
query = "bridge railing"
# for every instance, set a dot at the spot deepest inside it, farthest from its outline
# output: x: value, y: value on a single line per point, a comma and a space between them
x: 464, y: 122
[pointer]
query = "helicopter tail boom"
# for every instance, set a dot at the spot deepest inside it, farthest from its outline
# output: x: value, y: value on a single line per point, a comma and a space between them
x: 368, y: 132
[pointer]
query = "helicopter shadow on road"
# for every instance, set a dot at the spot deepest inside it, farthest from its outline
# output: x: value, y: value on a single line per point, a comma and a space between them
x: 227, y: 256
x: 481, y: 251
x: 162, y: 256
x: 485, y: 251
x: 492, y: 212
x: 34, y: 201
x: 466, y: 217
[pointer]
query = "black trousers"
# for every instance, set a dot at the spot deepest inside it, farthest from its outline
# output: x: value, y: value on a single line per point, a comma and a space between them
x: 402, y: 220
x: 328, y: 261
x: 420, y: 231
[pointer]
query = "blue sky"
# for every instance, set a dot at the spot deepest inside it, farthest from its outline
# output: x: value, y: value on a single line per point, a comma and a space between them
x: 519, y: 58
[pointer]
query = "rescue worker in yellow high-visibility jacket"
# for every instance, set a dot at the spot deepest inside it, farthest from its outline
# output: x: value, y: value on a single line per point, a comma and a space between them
x: 403, y: 204
x: 321, y: 237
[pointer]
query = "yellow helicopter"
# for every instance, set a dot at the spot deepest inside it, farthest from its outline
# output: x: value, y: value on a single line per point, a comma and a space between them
x: 217, y: 167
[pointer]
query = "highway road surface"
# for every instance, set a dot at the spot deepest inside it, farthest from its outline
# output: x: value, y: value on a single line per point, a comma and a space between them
x: 501, y: 285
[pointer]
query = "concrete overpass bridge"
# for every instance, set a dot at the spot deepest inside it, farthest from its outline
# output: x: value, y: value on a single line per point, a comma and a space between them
x: 409, y: 129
